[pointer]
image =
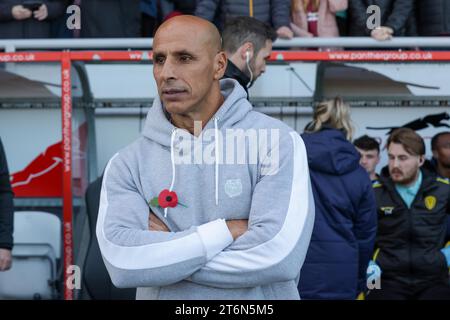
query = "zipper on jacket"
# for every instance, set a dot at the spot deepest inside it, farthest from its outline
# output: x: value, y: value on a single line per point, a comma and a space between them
x: 375, y: 255
x: 408, y: 212
x: 410, y: 243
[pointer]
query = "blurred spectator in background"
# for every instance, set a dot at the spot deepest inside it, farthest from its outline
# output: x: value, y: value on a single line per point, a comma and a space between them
x: 440, y: 146
x: 316, y: 18
x: 170, y: 8
x: 345, y: 225
x: 110, y: 18
x: 22, y: 19
x: 275, y: 13
x: 433, y: 17
x: 440, y: 163
x: 341, y: 20
x: 248, y: 44
x: 396, y: 18
x: 149, y: 17
x: 369, y: 150
x: 6, y: 214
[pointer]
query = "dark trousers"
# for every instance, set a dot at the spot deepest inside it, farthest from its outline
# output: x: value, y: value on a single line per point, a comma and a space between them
x: 391, y: 290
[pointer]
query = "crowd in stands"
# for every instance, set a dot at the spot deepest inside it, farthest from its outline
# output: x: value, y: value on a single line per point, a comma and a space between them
x: 289, y: 18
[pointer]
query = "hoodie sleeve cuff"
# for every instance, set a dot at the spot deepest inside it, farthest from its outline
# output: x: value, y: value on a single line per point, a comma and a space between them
x: 215, y: 236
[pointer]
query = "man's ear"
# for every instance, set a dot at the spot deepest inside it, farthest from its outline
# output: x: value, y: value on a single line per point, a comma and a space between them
x: 421, y: 160
x: 245, y: 50
x: 220, y: 63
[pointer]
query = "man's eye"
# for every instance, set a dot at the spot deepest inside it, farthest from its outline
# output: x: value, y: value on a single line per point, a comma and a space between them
x: 159, y: 60
x: 185, y: 58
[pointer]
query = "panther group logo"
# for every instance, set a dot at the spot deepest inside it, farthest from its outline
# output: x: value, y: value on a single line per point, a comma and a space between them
x: 433, y: 120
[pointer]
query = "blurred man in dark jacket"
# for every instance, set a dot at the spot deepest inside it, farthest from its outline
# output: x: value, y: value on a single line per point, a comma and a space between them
x: 433, y: 17
x: 274, y: 13
x: 440, y: 163
x: 6, y: 214
x: 440, y: 145
x: 21, y: 21
x: 396, y: 18
x: 110, y: 18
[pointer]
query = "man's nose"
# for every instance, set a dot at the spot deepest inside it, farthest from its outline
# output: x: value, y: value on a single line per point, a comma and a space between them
x: 168, y: 70
x: 396, y: 163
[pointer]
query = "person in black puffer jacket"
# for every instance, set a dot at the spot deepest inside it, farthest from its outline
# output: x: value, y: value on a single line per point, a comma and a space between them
x: 17, y: 22
x: 433, y: 17
x: 274, y: 13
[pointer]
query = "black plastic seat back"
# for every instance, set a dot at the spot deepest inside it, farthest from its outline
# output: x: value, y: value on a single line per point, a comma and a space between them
x: 95, y: 276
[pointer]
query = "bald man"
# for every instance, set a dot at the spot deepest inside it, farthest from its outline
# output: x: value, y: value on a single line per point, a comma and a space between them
x: 187, y: 213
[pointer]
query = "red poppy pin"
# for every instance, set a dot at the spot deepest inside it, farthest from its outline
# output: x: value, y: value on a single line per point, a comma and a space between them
x: 166, y: 199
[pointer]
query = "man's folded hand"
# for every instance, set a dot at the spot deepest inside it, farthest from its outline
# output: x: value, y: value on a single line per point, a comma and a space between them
x: 237, y: 227
x: 155, y: 224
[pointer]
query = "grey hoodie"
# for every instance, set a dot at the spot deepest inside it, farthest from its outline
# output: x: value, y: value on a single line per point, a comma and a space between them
x: 198, y: 258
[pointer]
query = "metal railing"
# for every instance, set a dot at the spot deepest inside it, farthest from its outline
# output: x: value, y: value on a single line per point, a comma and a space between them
x: 147, y: 43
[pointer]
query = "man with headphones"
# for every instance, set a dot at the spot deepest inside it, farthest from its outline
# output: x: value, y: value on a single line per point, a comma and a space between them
x: 247, y: 43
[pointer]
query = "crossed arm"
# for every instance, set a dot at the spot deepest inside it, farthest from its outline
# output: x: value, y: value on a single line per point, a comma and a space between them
x: 236, y: 227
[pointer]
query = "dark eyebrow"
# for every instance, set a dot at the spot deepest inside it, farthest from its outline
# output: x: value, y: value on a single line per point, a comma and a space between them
x: 158, y: 54
x: 176, y: 54
x: 183, y: 53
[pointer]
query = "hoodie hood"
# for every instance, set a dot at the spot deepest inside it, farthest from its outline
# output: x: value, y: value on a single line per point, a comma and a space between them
x: 235, y: 107
x: 330, y: 152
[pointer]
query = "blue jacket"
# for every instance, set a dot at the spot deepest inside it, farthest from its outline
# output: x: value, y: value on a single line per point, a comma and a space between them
x: 345, y: 225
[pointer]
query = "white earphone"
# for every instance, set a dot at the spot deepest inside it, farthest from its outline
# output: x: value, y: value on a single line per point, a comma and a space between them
x: 247, y: 55
x: 247, y: 59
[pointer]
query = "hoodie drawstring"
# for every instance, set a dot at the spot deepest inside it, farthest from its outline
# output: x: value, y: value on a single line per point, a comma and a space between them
x: 172, y: 160
x: 216, y: 153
